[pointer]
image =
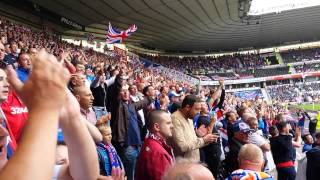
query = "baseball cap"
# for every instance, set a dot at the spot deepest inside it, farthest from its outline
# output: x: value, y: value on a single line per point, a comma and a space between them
x: 241, y: 126
x: 173, y: 94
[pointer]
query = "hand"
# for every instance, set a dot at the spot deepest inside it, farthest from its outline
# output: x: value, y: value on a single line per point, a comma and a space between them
x: 221, y: 83
x: 47, y: 83
x: 298, y: 132
x: 104, y: 119
x: 209, y: 138
x: 114, y: 176
x: 202, y: 131
x: 63, y: 56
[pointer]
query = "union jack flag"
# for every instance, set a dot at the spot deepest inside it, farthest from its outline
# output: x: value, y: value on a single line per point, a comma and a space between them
x: 115, y: 36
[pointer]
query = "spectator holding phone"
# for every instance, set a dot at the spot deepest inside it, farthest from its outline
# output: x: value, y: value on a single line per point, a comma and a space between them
x: 211, y: 153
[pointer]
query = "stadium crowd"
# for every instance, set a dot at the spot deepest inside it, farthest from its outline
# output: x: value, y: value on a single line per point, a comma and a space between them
x: 295, y: 93
x: 209, y: 63
x: 307, y: 67
x: 298, y: 55
x: 241, y: 65
x: 113, y: 120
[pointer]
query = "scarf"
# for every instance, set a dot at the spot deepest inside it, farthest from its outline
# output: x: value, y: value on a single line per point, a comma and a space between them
x: 163, y: 144
x: 110, y: 162
x: 242, y: 174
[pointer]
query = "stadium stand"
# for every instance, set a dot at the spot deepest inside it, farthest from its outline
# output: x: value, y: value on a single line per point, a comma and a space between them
x: 271, y: 72
x: 308, y: 92
x: 301, y: 55
x: 307, y: 67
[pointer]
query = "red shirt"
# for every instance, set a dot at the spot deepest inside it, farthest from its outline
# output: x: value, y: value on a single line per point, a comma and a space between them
x: 16, y: 114
x: 154, y: 160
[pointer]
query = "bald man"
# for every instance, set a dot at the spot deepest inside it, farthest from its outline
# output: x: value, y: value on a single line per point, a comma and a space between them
x: 251, y: 162
x: 156, y: 156
x: 84, y: 96
x: 85, y: 99
x: 188, y: 171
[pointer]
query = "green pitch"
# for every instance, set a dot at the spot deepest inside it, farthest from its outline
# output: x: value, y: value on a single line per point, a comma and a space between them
x: 309, y: 107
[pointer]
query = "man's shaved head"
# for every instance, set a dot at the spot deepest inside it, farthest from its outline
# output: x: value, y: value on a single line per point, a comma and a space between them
x: 159, y: 123
x: 84, y: 96
x: 251, y: 157
x: 188, y: 171
x: 251, y: 153
x: 154, y: 117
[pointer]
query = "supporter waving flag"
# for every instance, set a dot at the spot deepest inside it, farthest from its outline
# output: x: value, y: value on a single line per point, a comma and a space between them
x: 115, y: 36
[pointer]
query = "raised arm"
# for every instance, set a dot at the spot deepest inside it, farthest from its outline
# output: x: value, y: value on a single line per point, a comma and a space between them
x: 96, y: 82
x: 297, y: 140
x: 83, y: 158
x: 222, y: 97
x: 110, y: 81
x: 44, y: 94
x: 116, y: 87
x: 93, y: 130
x: 217, y: 93
x: 142, y: 103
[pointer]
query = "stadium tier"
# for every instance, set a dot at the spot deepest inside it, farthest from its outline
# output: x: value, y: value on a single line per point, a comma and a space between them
x: 309, y: 92
x: 299, y: 55
x: 307, y: 67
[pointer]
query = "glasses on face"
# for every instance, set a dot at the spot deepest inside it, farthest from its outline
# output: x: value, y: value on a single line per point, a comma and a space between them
x: 247, y: 133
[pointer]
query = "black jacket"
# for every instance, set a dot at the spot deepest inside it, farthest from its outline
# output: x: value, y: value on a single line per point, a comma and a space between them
x: 232, y: 156
x: 119, y: 112
x: 99, y: 94
x: 313, y: 163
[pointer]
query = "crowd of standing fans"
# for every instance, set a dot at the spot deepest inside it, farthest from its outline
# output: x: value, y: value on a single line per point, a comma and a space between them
x: 307, y: 68
x: 194, y: 65
x: 240, y: 65
x: 298, y: 55
x: 72, y: 113
x: 295, y: 93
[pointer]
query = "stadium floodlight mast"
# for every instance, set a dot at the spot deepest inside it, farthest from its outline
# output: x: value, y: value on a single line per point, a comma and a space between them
x: 260, y: 7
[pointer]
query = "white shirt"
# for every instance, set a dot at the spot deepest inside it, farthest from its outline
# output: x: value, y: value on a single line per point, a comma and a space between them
x: 257, y: 139
x: 140, y: 112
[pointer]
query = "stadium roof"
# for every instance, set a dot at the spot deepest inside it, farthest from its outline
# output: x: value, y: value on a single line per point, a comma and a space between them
x: 191, y: 25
